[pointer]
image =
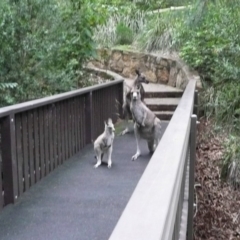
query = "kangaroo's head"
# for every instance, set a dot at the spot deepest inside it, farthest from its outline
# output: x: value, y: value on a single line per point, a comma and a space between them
x: 135, y: 94
x: 141, y: 78
x: 109, y: 126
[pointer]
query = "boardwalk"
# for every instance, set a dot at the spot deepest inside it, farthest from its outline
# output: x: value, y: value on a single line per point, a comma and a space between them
x: 76, y: 201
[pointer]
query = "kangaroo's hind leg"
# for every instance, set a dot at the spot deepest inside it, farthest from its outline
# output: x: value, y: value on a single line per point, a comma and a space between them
x: 126, y: 130
x: 151, y: 146
x: 109, y: 156
x: 99, y: 156
x: 157, y: 132
x: 137, y: 136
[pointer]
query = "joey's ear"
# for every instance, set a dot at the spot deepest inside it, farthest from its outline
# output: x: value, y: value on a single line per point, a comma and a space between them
x: 105, y: 124
x: 137, y: 72
x: 109, y: 121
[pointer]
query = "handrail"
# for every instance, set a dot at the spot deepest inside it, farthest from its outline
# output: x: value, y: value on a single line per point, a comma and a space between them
x: 39, y: 135
x: 152, y: 208
x: 52, y: 99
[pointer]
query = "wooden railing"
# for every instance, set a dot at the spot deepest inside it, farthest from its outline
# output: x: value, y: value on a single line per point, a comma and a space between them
x: 161, y: 206
x: 37, y: 136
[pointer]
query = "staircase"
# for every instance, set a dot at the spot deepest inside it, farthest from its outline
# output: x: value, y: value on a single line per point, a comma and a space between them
x: 162, y: 99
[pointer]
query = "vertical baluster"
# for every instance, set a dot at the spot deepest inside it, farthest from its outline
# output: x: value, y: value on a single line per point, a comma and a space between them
x: 41, y: 142
x: 46, y: 138
x: 30, y: 147
x: 50, y: 132
x: 191, y: 176
x: 88, y: 118
x: 36, y: 144
x: 9, y: 162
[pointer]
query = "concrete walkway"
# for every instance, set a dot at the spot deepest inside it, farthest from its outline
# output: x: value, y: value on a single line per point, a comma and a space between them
x: 76, y: 201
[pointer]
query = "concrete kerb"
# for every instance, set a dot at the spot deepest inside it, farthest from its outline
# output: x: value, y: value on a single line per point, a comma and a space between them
x: 109, y: 73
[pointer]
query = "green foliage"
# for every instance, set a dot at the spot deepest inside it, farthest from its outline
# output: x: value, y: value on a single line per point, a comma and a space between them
x: 118, y: 24
x: 44, y: 45
x: 6, y: 90
x: 5, y: 86
x: 149, y: 4
x: 124, y: 34
x: 223, y: 103
x: 156, y: 34
x: 135, y: 16
x: 208, y: 45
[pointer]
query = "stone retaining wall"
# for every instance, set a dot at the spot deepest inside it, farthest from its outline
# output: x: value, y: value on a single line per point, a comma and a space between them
x: 157, y: 69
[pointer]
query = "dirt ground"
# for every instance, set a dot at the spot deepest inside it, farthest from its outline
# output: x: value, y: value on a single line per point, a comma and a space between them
x: 217, y: 212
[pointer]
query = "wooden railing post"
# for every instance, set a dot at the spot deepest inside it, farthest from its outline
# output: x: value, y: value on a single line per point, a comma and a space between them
x: 195, y: 110
x: 1, y: 197
x: 120, y: 111
x: 191, y: 176
x: 88, y: 118
x: 9, y: 162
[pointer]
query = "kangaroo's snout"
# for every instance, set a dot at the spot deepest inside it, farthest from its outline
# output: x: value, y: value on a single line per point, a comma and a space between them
x: 134, y: 95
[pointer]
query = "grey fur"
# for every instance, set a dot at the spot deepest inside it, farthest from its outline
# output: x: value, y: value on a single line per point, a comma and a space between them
x: 140, y: 78
x: 146, y: 125
x: 104, y: 144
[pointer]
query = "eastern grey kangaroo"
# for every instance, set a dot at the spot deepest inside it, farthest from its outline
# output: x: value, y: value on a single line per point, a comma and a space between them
x: 104, y: 143
x: 127, y: 97
x: 146, y: 125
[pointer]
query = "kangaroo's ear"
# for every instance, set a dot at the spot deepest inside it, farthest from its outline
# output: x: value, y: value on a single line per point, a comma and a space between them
x: 109, y: 121
x: 137, y: 72
x: 105, y: 124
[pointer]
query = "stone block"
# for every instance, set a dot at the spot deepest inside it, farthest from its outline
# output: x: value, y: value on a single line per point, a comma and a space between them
x: 173, y: 76
x: 116, y: 66
x: 151, y: 76
x: 162, y: 75
x: 116, y: 55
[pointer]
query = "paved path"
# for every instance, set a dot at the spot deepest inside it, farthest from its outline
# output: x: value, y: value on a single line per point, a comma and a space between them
x: 76, y: 201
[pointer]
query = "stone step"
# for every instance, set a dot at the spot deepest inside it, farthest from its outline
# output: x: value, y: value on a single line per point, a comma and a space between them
x: 169, y: 94
x: 164, y: 115
x: 160, y: 104
x: 158, y: 87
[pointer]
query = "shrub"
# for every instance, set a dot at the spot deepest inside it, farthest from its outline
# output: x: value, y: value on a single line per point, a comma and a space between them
x: 124, y: 35
x: 43, y: 46
x: 155, y: 35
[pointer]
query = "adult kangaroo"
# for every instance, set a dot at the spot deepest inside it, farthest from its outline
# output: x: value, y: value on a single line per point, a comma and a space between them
x: 146, y: 125
x: 137, y: 84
